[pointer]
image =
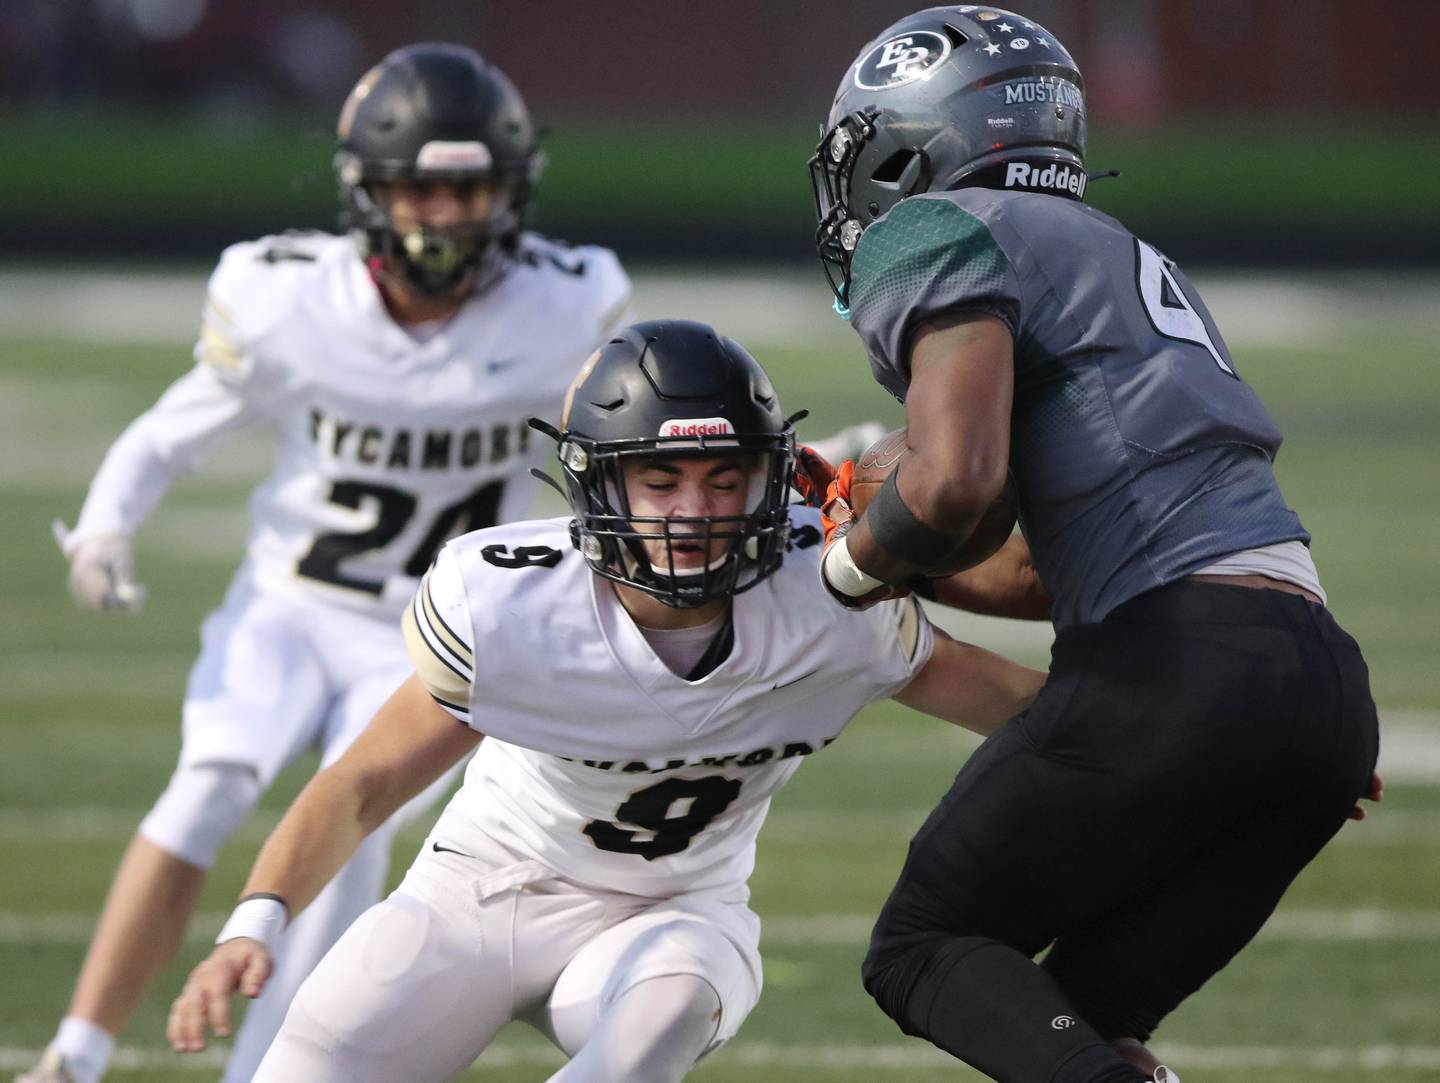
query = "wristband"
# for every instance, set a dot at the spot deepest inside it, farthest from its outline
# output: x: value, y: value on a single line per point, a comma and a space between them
x: 896, y: 529
x: 843, y: 575
x: 259, y: 917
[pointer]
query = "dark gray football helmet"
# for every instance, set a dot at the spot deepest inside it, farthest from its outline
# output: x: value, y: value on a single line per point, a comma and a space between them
x: 961, y: 96
x: 435, y: 112
x: 666, y: 388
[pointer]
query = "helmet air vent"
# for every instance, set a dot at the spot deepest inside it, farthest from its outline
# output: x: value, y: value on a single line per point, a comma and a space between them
x: 893, y: 168
x: 906, y: 171
x: 957, y: 38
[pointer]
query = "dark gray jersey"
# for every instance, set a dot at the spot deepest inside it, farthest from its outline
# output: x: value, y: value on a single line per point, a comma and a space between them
x: 1138, y: 455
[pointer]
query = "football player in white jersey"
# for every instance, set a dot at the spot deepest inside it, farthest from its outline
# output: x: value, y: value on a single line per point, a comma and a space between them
x: 645, y: 676
x: 397, y: 366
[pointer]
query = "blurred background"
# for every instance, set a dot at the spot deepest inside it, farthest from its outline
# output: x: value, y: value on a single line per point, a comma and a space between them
x: 1248, y: 131
x: 1287, y: 154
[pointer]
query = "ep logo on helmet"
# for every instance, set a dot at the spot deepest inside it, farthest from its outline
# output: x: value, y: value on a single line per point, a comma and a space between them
x: 902, y: 60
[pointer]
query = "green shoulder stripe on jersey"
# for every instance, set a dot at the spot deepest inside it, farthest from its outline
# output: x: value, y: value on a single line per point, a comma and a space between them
x: 920, y: 242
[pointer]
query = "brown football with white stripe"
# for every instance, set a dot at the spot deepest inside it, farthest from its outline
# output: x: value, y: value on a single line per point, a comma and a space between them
x: 877, y: 463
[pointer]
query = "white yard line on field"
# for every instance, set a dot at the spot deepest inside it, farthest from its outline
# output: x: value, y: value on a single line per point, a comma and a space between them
x: 892, y: 1055
x: 766, y: 308
x: 789, y: 307
x: 79, y: 825
x: 828, y: 929
x: 55, y: 672
x: 916, y: 1055
x: 1409, y: 748
x: 1287, y: 925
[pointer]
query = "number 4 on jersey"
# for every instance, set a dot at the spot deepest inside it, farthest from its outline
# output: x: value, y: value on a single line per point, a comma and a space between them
x: 1170, y: 312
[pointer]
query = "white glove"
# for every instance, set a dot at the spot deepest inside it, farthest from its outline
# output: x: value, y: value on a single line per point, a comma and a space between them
x: 102, y: 571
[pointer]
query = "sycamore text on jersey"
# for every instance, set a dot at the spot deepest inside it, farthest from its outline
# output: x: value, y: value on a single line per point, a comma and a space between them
x: 396, y: 447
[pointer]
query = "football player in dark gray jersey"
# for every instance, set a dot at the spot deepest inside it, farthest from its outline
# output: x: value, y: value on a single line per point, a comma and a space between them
x: 1207, y: 726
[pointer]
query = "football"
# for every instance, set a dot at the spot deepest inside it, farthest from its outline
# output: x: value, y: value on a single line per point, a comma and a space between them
x: 877, y: 463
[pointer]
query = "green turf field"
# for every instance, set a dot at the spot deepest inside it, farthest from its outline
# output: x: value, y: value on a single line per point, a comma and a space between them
x: 747, y: 177
x: 1340, y: 987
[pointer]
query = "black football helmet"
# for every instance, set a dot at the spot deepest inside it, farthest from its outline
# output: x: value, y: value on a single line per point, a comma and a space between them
x: 674, y: 388
x: 435, y: 112
x: 950, y: 97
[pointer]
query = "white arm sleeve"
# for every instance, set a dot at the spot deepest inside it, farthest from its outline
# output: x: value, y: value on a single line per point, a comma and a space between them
x: 159, y: 446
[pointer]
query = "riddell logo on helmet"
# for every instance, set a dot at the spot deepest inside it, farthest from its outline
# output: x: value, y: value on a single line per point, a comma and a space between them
x: 444, y: 154
x: 1057, y: 176
x: 697, y: 426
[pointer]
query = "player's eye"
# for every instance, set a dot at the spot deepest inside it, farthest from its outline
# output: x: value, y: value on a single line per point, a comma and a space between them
x: 467, y: 190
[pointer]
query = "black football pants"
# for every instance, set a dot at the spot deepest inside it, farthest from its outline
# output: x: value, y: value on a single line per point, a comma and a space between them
x: 1187, y: 757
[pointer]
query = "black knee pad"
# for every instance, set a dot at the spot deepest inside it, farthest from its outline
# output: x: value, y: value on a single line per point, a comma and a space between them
x: 890, y: 972
x: 988, y: 1004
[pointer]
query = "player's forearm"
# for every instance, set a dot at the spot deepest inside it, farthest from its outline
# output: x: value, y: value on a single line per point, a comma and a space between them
x: 1006, y: 585
x: 131, y: 481
x: 158, y: 447
x: 324, y: 827
x: 409, y: 744
x: 971, y: 687
x: 320, y: 832
x: 957, y: 417
x: 899, y: 538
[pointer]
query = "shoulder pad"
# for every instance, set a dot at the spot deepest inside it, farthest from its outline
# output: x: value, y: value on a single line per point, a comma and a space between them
x: 542, y: 543
x: 590, y: 270
x: 254, y: 286
x: 439, y: 637
x: 584, y: 263
x: 256, y: 282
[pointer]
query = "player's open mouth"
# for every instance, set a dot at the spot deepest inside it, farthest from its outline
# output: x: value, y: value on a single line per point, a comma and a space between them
x: 687, y: 558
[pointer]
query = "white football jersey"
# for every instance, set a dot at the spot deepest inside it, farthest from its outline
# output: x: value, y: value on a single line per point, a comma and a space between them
x: 387, y: 443
x: 598, y: 760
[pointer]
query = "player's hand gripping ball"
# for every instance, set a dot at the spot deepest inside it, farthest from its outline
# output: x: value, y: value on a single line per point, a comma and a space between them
x: 827, y: 487
x: 879, y: 461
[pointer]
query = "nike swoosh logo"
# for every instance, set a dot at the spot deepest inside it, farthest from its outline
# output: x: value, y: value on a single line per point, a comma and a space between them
x: 797, y: 680
x: 448, y: 850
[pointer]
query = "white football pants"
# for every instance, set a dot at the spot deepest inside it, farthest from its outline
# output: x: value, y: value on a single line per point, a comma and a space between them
x: 274, y: 678
x: 419, y: 985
